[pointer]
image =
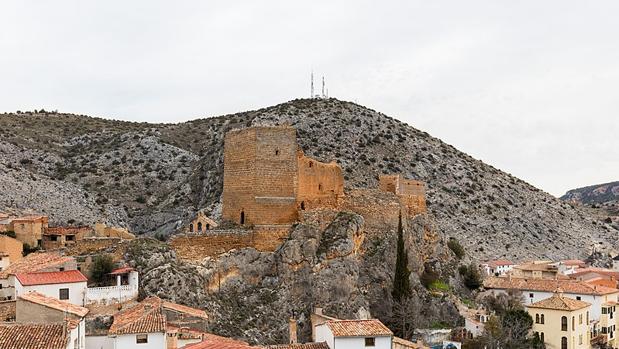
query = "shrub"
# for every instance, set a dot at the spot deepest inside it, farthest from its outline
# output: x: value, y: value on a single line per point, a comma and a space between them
x: 455, y: 247
x: 471, y: 276
x: 140, y: 199
x: 101, y: 267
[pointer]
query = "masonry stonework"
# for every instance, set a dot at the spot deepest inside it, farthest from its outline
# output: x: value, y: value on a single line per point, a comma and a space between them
x: 412, y: 193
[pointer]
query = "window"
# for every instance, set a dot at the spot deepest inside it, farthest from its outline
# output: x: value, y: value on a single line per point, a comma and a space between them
x: 302, y: 205
x: 370, y: 341
x: 563, y: 342
x: 537, y: 318
x: 141, y: 338
x: 604, y: 310
x: 64, y: 293
x: 208, y: 226
x: 70, y: 238
x: 573, y: 323
x: 580, y: 339
x: 580, y: 319
x: 587, y: 317
x: 0, y: 286
x: 53, y: 237
x: 61, y: 269
x: 578, y: 298
x: 541, y: 337
x: 199, y: 226
x: 311, y: 164
x: 191, y: 228
x: 276, y: 151
x: 542, y: 319
x: 563, y: 323
x: 319, y: 187
x: 530, y: 295
x: 242, y: 217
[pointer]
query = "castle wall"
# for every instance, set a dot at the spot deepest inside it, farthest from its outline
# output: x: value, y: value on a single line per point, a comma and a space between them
x: 320, y: 184
x: 412, y: 193
x: 260, y: 176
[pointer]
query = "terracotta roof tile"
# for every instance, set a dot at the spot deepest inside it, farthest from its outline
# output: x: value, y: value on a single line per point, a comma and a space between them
x: 33, y: 336
x: 217, y: 342
x: 354, y: 328
x: 50, y: 302
x: 35, y: 262
x: 144, y: 317
x: 499, y: 262
x: 409, y: 344
x: 185, y: 309
x: 558, y: 302
x: 547, y: 285
x: 319, y: 345
x: 122, y: 270
x: 51, y: 277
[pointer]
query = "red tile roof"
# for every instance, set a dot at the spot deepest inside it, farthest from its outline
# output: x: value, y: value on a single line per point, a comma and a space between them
x: 499, y: 262
x: 51, y: 277
x: 558, y: 302
x: 35, y: 262
x: 185, y: 309
x: 547, y: 285
x: 50, y: 302
x: 217, y: 342
x: 144, y: 317
x: 319, y: 345
x: 33, y: 336
x: 607, y: 272
x: 358, y: 328
x: 122, y: 270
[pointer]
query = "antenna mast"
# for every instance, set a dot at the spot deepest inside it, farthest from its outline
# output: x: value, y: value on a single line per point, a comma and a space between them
x: 312, y: 85
x: 323, y: 86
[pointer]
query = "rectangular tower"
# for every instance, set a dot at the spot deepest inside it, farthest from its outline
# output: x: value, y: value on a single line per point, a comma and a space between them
x: 260, y: 176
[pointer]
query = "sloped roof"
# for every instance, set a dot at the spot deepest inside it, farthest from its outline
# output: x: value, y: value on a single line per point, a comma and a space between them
x: 51, y: 277
x: 121, y: 270
x: 499, y: 262
x: 50, y: 302
x: 601, y: 271
x: 144, y: 317
x: 355, y: 328
x: 313, y: 345
x: 559, y: 302
x: 35, y: 262
x: 33, y: 336
x: 217, y: 342
x: 184, y: 309
x: 547, y: 285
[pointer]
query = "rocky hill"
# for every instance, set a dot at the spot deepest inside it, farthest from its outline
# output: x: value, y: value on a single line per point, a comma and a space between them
x: 153, y: 177
x: 601, y: 200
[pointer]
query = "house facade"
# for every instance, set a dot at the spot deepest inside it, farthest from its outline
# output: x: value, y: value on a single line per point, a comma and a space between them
x: 354, y: 334
x: 497, y: 267
x: 68, y: 285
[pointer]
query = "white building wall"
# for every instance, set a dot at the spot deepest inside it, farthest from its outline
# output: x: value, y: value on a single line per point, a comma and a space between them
x: 474, y: 327
x: 77, y: 291
x: 324, y: 334
x: 99, y: 342
x: 155, y: 341
x: 359, y: 343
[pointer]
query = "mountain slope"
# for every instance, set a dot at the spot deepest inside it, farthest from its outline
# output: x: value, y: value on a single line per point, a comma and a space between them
x: 602, y: 200
x: 151, y: 177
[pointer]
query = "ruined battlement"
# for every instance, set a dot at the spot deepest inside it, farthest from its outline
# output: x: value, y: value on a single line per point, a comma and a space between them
x: 412, y: 193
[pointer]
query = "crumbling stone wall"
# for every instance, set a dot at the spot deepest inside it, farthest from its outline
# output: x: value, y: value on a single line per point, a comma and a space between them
x: 260, y: 176
x: 412, y: 193
x: 320, y: 184
x: 197, y: 247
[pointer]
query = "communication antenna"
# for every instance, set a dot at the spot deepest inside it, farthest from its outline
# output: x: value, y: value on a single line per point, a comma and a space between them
x: 312, y: 85
x: 323, y: 86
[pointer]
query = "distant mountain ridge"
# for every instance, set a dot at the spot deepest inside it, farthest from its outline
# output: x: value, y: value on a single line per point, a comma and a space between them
x: 153, y: 178
x: 594, y: 194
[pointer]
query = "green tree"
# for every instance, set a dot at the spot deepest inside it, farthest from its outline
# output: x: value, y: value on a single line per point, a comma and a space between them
x: 101, y: 267
x: 455, y: 247
x: 401, y: 282
x: 471, y: 276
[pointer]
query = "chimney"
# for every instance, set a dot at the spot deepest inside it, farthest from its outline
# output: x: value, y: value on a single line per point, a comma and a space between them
x: 318, y: 311
x: 292, y: 328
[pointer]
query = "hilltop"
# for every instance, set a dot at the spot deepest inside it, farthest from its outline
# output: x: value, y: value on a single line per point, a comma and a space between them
x: 152, y: 178
x: 602, y: 200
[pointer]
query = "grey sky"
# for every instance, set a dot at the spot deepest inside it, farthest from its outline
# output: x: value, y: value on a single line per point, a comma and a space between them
x: 528, y: 86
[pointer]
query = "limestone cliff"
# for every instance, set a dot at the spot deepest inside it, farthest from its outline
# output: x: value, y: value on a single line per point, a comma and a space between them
x: 251, y: 294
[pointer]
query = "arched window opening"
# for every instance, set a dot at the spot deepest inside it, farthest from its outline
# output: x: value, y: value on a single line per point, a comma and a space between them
x: 302, y: 205
x: 319, y: 187
x: 191, y: 228
x: 563, y: 342
x: 242, y: 217
x: 563, y: 323
x: 276, y: 151
x: 573, y: 323
x: 199, y: 226
x: 537, y: 318
x: 208, y: 226
x: 311, y: 164
x: 541, y: 337
x: 541, y: 321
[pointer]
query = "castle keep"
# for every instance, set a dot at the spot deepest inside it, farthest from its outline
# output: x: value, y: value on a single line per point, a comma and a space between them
x: 267, y: 179
x: 412, y: 193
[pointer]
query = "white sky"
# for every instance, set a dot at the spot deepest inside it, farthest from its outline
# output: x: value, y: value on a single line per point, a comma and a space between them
x: 530, y: 87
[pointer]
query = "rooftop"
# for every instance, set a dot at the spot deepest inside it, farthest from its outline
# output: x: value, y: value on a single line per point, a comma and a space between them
x: 184, y: 309
x: 144, y: 317
x: 35, y: 262
x: 559, y: 302
x: 51, y: 277
x: 122, y: 270
x: 547, y: 285
x: 499, y: 263
x: 33, y: 336
x: 50, y: 302
x: 312, y: 345
x: 358, y: 328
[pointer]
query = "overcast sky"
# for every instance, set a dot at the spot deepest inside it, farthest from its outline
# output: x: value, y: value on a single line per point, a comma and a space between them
x: 530, y: 87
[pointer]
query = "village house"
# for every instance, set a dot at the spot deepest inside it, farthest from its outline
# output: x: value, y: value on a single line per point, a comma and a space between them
x: 201, y: 223
x: 125, y: 288
x: 561, y: 322
x: 474, y: 322
x: 497, y: 267
x: 34, y: 262
x: 59, y: 237
x: 354, y: 334
x: 535, y: 290
x: 67, y: 285
x: 597, y: 276
x: 10, y: 248
x: 535, y: 270
x: 27, y: 229
x: 35, y: 307
x: 38, y: 336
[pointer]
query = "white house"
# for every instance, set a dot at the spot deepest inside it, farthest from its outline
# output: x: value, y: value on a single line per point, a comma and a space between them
x: 497, y: 267
x: 474, y: 322
x: 39, y: 335
x: 34, y: 262
x: 126, y: 288
x: 354, y: 334
x: 142, y: 326
x: 68, y: 285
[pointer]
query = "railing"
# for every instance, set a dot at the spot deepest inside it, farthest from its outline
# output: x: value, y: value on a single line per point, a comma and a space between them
x: 111, y: 294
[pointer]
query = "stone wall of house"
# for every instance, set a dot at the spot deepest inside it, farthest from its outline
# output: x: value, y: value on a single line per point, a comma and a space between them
x: 29, y: 231
x: 260, y: 176
x: 198, y: 246
x: 101, y: 230
x: 320, y: 184
x: 12, y: 247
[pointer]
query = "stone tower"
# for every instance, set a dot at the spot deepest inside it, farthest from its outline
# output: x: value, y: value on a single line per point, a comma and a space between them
x: 260, y: 176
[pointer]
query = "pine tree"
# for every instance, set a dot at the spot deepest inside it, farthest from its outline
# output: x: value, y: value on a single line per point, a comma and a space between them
x: 401, y: 283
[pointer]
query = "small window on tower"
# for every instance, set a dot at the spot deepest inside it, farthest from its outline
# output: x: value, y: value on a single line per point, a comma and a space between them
x: 276, y: 151
x: 311, y: 164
